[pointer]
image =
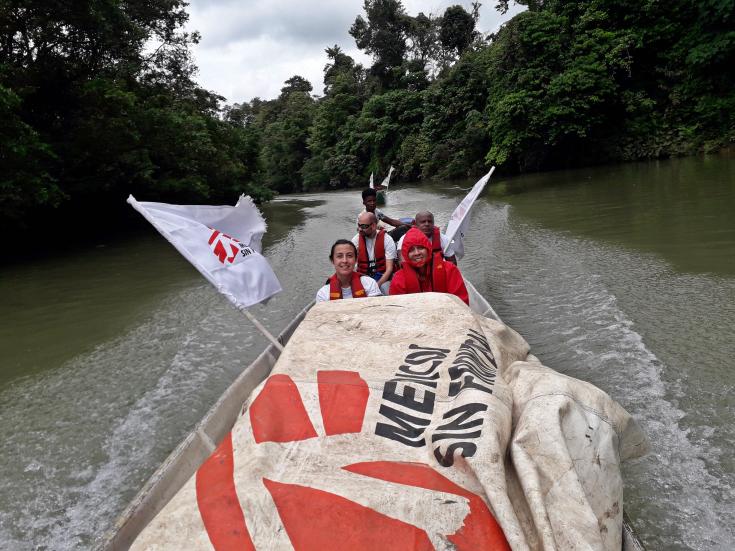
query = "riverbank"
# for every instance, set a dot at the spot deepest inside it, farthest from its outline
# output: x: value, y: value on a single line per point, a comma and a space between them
x: 77, y: 227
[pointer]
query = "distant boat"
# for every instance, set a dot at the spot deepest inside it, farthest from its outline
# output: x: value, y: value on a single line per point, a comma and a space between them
x: 384, y: 184
x: 382, y: 188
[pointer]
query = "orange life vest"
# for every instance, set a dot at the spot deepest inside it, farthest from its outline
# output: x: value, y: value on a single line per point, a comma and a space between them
x: 335, y: 288
x: 364, y: 266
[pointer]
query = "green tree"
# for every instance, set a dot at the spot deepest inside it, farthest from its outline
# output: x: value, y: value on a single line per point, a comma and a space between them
x: 457, y: 30
x: 375, y: 135
x: 383, y: 35
x: 98, y: 100
x: 24, y: 180
x: 423, y: 40
x: 284, y: 140
x: 555, y: 95
x: 344, y: 93
x: 625, y: 80
x: 454, y: 134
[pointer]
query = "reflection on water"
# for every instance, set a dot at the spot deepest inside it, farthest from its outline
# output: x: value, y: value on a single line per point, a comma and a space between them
x: 623, y: 276
x: 55, y: 309
x: 680, y: 209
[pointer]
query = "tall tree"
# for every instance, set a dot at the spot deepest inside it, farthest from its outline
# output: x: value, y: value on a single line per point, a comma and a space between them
x: 383, y: 35
x: 374, y: 136
x: 98, y: 100
x: 344, y: 94
x: 284, y: 140
x: 296, y: 84
x: 454, y: 136
x: 457, y: 30
x: 24, y: 158
x: 423, y: 40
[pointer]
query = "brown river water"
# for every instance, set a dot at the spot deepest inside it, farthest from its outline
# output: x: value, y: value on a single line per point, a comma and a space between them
x: 621, y: 275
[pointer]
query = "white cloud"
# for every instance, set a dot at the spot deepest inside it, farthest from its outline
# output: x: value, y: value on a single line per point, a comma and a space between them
x: 249, y: 48
x: 288, y: 21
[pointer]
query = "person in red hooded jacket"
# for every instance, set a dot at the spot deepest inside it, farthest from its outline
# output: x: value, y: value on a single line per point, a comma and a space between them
x: 422, y: 273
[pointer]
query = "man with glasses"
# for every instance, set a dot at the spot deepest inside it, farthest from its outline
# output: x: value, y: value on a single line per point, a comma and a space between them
x: 376, y: 251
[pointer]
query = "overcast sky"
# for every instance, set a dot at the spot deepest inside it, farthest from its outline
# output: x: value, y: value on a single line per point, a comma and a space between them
x: 250, y: 47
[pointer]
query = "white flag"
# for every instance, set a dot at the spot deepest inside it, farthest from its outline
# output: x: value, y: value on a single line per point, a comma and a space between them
x: 223, y: 243
x: 459, y: 222
x: 386, y: 181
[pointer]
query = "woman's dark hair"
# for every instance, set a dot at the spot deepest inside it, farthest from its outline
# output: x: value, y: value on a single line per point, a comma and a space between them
x: 342, y: 242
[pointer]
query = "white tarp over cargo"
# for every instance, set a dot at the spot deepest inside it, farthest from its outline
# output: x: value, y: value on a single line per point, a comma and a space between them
x: 409, y: 422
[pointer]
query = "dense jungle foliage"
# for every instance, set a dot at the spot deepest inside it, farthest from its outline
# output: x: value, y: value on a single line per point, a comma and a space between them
x: 90, y: 112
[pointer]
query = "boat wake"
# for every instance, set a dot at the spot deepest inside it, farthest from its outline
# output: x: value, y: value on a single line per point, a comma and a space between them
x: 569, y: 298
x: 79, y: 442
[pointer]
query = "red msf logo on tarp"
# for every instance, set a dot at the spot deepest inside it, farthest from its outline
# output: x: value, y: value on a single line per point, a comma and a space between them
x: 278, y: 414
x: 224, y: 247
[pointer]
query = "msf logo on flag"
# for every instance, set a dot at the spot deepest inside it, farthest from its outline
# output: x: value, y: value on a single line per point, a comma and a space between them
x: 226, y: 248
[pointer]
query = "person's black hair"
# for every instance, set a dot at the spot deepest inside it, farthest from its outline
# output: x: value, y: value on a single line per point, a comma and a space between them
x: 369, y: 192
x: 341, y: 242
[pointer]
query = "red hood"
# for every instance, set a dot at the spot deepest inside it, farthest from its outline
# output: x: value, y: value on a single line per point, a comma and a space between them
x: 415, y: 238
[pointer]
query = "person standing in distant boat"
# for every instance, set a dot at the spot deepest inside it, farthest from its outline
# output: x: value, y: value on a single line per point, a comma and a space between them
x: 376, y: 251
x: 345, y: 282
x: 370, y: 202
x: 440, y: 243
x: 422, y: 273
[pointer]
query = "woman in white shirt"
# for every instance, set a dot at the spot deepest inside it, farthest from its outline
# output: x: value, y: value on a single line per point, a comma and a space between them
x: 346, y: 282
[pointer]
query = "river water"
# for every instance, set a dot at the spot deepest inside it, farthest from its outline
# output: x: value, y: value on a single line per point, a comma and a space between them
x: 623, y: 276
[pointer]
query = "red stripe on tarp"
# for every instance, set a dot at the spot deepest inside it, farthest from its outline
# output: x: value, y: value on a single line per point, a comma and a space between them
x: 278, y: 414
x: 320, y: 521
x: 212, y: 237
x: 480, y: 529
x: 343, y: 396
x: 218, y: 504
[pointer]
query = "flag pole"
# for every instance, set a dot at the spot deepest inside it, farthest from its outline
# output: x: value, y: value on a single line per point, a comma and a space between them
x: 267, y: 334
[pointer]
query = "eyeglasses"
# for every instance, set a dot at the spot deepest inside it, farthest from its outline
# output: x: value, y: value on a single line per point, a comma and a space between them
x: 364, y: 226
